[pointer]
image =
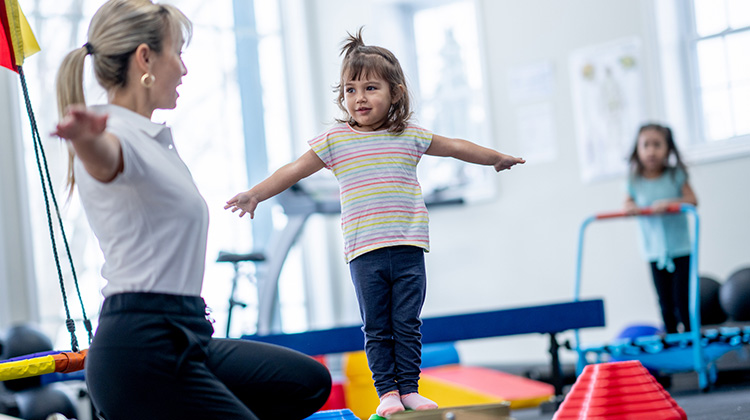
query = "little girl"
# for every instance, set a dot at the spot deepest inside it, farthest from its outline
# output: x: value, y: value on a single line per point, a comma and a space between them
x: 656, y: 183
x: 373, y: 153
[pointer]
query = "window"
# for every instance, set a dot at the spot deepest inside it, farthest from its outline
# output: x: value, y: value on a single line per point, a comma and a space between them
x: 450, y: 95
x: 721, y: 38
x: 706, y: 75
x: 209, y: 93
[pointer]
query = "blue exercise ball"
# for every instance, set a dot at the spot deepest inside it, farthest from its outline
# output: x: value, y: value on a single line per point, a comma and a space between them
x: 711, y: 311
x: 734, y: 295
x: 639, y: 330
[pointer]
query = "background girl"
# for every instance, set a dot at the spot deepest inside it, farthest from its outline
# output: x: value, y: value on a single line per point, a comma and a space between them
x: 659, y: 178
x: 373, y: 153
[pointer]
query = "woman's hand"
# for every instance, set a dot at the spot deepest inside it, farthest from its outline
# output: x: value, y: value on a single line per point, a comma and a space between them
x: 99, y: 150
x: 81, y: 125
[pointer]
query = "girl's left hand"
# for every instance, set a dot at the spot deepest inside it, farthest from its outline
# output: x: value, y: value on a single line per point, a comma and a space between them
x: 660, y: 206
x: 507, y: 162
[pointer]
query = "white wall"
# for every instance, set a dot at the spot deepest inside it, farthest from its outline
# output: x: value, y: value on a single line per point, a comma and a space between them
x: 17, y: 286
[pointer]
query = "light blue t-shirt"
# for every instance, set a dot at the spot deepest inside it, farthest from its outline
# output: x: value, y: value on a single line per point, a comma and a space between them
x: 666, y: 236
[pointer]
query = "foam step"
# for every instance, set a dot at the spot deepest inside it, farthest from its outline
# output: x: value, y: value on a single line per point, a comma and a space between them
x: 460, y: 385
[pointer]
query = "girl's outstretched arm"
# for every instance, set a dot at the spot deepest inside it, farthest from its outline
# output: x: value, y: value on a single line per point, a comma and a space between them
x: 99, y: 150
x: 471, y: 152
x: 283, y: 178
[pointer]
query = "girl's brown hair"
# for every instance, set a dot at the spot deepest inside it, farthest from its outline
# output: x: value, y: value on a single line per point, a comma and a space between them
x: 362, y: 60
x: 635, y: 163
x: 116, y: 30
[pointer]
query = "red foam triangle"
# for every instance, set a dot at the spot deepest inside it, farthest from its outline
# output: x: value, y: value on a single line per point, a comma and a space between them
x: 618, y: 391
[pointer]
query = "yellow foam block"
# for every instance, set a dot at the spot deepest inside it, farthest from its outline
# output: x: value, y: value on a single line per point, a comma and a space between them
x: 362, y: 399
x: 359, y: 391
x: 448, y: 386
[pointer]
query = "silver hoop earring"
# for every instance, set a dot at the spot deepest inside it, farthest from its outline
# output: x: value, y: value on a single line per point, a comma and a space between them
x: 147, y: 80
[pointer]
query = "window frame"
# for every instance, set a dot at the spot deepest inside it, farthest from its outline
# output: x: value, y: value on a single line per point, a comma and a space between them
x: 674, y: 24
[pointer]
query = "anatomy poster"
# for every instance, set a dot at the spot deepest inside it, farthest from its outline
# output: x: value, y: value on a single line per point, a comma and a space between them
x: 608, y: 105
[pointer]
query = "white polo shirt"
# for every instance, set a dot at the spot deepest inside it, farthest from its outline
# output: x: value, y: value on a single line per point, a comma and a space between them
x: 151, y: 221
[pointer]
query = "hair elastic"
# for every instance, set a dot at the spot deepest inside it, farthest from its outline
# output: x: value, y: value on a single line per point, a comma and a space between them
x: 89, y: 48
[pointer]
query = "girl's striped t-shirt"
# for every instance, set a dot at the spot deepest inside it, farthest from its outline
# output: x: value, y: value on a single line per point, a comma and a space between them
x: 381, y: 199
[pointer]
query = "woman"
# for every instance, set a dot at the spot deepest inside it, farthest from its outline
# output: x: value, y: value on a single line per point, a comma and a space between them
x: 153, y: 356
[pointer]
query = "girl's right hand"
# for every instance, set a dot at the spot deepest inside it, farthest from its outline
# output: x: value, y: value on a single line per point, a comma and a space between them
x: 81, y: 125
x: 631, y: 208
x: 245, y: 202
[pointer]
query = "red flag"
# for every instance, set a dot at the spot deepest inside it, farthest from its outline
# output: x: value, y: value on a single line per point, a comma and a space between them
x: 7, y: 59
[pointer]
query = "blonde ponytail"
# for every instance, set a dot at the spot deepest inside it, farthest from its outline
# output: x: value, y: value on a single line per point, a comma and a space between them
x: 116, y: 30
x: 69, y: 92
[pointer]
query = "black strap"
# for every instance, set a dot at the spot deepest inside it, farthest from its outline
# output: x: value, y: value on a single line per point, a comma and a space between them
x: 44, y: 175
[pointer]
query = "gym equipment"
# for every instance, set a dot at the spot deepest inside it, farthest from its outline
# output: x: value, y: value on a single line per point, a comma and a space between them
x: 734, y: 295
x: 619, y: 390
x: 33, y: 365
x: 448, y: 385
x: 30, y: 355
x: 711, y: 311
x: 236, y: 259
x: 22, y: 340
x: 543, y: 319
x: 637, y: 330
x: 39, y: 403
x: 673, y: 352
x: 497, y: 411
x: 342, y: 414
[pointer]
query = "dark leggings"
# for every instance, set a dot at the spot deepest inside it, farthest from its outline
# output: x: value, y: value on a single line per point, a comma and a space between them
x: 391, y: 284
x: 153, y: 358
x: 673, y: 290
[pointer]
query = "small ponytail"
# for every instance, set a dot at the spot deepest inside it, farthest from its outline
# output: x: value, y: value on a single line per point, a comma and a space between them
x: 70, y: 91
x: 362, y: 60
x: 352, y: 43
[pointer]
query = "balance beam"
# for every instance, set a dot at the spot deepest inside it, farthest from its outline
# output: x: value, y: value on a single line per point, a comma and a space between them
x: 543, y: 319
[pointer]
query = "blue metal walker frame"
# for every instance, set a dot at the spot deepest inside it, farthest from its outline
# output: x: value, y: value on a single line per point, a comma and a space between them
x: 699, y: 360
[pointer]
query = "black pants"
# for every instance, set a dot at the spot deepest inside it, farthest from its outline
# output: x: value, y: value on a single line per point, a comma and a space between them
x: 153, y: 358
x: 673, y: 290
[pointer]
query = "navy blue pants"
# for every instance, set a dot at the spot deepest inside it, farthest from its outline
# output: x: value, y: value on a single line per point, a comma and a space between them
x: 153, y: 358
x: 673, y: 290
x: 391, y: 284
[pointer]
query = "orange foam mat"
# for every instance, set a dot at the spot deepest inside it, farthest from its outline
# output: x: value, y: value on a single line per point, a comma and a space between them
x: 491, y: 385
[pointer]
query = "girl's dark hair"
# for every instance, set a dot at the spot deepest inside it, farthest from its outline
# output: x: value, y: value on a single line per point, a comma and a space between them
x: 362, y: 60
x: 635, y: 163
